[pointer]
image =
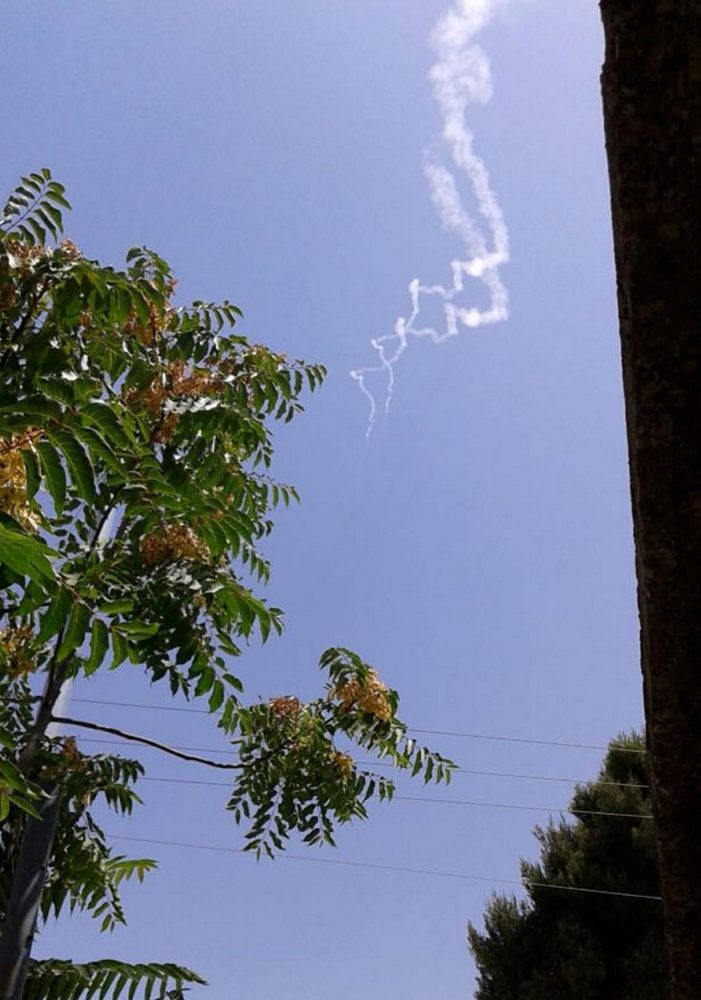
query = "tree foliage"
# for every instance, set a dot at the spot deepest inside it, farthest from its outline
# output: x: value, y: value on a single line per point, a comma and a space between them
x: 53, y: 979
x: 578, y: 946
x: 135, y: 493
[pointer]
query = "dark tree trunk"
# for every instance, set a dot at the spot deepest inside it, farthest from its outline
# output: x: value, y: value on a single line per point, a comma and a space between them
x: 651, y: 85
x: 25, y: 897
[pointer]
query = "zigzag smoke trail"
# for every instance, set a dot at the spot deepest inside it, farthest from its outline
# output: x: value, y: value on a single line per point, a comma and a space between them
x: 460, y: 76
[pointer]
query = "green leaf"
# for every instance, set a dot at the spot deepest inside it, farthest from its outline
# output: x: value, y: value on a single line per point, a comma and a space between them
x: 34, y: 406
x: 217, y: 696
x: 55, y: 193
x: 58, y: 389
x: 31, y: 468
x: 26, y: 556
x: 53, y: 473
x: 61, y: 979
x: 76, y: 628
x: 117, y: 607
x: 120, y: 649
x: 137, y: 629
x: 12, y: 777
x: 205, y: 681
x: 24, y: 804
x: 79, y: 464
x: 99, y: 644
x: 98, y: 449
x: 106, y: 420
x: 34, y: 597
x: 55, y: 616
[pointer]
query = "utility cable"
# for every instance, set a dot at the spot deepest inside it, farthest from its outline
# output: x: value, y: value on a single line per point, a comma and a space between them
x: 394, y: 868
x: 441, y: 801
x: 427, y: 732
x: 382, y: 763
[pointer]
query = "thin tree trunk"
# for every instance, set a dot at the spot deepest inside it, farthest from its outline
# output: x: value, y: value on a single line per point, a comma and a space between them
x: 651, y: 84
x: 36, y: 847
x: 25, y: 897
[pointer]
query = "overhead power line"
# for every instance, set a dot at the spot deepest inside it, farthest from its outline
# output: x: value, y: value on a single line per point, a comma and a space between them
x: 519, y: 739
x: 412, y: 729
x: 382, y: 763
x: 395, y: 868
x: 438, y: 800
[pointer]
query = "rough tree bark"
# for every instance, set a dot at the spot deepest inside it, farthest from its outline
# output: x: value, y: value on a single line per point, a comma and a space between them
x: 651, y: 84
x: 24, y: 902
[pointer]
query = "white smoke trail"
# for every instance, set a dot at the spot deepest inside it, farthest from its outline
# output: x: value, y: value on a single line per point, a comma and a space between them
x: 460, y: 76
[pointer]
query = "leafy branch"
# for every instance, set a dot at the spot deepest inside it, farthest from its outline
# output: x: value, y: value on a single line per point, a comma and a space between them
x: 136, y: 495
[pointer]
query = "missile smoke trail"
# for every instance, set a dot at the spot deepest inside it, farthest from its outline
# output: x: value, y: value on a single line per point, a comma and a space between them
x: 460, y: 76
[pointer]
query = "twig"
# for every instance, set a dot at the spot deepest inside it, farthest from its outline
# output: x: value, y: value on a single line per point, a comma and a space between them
x: 83, y: 724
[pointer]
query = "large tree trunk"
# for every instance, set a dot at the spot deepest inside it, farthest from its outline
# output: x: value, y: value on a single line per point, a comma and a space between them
x: 24, y: 903
x: 651, y: 85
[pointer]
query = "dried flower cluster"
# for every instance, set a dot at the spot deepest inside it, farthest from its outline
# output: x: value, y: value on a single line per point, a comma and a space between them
x: 18, y: 654
x: 24, y: 255
x: 285, y: 707
x: 70, y: 249
x: 177, y: 382
x: 343, y: 763
x: 370, y: 696
x: 176, y: 542
x: 71, y: 761
x: 13, y: 484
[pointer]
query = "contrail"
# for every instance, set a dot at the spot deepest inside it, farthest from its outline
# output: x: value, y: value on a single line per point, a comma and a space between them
x: 460, y: 76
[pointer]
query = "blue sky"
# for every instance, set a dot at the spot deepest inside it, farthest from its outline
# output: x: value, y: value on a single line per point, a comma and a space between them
x: 477, y: 548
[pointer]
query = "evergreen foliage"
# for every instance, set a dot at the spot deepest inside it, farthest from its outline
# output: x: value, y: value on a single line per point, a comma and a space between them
x: 578, y: 946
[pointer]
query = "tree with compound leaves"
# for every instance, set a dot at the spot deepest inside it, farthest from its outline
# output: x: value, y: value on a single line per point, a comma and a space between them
x: 576, y: 945
x: 135, y: 489
x: 651, y: 85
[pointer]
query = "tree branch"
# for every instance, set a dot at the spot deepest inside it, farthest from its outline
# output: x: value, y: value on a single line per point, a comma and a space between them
x: 57, y: 674
x: 164, y: 748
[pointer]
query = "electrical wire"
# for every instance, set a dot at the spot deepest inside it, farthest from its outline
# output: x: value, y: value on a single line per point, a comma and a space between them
x: 437, y: 800
x: 427, y: 732
x: 394, y: 868
x: 381, y: 763
x: 411, y: 729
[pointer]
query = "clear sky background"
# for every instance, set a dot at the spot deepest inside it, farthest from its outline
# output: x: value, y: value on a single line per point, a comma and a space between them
x: 477, y: 549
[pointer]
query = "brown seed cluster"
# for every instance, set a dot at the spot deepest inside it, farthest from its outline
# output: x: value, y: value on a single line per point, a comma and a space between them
x: 343, y: 763
x: 175, y: 543
x: 177, y: 382
x: 16, y: 644
x: 285, y: 707
x: 13, y: 483
x: 70, y: 249
x: 71, y: 761
x: 71, y: 753
x: 25, y: 254
x: 369, y: 696
x: 196, y: 382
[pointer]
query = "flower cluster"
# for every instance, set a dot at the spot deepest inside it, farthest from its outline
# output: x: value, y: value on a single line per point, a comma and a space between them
x: 13, y: 484
x: 177, y: 382
x: 369, y: 695
x: 17, y: 652
x: 285, y: 707
x: 175, y: 543
x: 24, y: 255
x: 69, y: 761
x: 343, y: 763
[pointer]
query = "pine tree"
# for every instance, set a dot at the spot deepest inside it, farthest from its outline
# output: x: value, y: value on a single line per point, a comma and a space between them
x: 565, y: 945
